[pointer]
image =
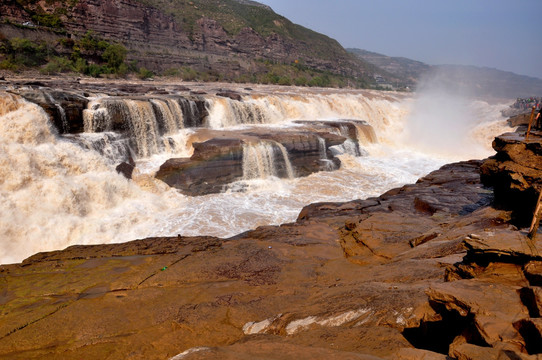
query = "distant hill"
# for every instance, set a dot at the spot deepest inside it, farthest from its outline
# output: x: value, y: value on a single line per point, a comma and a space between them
x: 479, y: 81
x: 406, y: 70
x: 239, y: 40
x: 482, y: 81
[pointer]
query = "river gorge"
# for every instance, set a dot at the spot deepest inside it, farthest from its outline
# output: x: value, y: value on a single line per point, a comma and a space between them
x: 61, y: 187
x: 273, y: 222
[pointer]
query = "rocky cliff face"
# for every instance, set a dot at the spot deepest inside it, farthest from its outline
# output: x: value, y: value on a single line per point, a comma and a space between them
x: 515, y: 172
x: 160, y: 41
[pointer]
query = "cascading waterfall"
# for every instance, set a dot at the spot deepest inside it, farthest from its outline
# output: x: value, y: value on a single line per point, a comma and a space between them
x: 266, y: 159
x: 349, y: 147
x: 60, y: 109
x: 113, y: 147
x: 322, y: 148
x: 59, y: 190
x: 144, y: 127
x: 225, y: 112
x: 366, y: 134
x: 171, y: 116
x: 154, y: 125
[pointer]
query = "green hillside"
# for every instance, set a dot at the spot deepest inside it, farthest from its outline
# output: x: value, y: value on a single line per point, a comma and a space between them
x: 75, y: 35
x: 234, y: 15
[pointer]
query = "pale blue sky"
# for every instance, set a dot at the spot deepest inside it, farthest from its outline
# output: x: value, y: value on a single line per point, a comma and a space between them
x: 502, y: 34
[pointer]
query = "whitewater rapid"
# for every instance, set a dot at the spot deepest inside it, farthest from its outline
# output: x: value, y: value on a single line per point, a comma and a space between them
x: 55, y: 193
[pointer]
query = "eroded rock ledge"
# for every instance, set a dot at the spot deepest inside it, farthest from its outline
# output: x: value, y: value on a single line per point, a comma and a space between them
x: 515, y: 173
x: 426, y: 271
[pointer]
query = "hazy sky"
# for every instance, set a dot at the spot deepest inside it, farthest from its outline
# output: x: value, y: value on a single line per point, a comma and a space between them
x: 502, y: 34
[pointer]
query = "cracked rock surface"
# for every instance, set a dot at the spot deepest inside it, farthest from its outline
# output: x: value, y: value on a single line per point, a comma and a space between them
x: 426, y: 271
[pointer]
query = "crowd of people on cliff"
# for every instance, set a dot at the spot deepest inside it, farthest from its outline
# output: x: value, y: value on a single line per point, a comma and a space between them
x: 528, y: 103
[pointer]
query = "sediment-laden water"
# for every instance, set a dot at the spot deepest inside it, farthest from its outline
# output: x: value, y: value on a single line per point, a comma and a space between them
x: 56, y: 192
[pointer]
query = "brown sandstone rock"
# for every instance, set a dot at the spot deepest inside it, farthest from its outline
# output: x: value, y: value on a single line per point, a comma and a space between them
x: 289, y: 291
x: 473, y: 352
x: 515, y: 173
x: 417, y: 354
x: 215, y: 163
x: 218, y: 159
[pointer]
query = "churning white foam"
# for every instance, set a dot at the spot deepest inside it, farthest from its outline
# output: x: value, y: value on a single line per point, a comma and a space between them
x: 54, y: 193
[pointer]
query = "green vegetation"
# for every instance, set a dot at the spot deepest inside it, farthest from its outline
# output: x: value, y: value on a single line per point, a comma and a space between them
x: 94, y: 56
x: 47, y: 20
x: 270, y: 72
x: 145, y: 74
x: 20, y: 53
x: 58, y: 65
x: 107, y: 58
x: 234, y: 16
x: 114, y: 55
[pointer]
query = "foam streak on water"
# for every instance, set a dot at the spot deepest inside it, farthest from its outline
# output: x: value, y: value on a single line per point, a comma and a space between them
x: 55, y: 193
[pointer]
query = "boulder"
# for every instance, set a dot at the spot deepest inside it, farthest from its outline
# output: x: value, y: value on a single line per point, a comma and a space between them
x: 230, y: 94
x: 214, y: 164
x: 474, y: 352
x: 126, y: 169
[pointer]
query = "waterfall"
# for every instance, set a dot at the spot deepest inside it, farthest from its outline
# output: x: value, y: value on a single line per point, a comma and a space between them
x: 366, y: 134
x: 322, y: 148
x: 144, y: 127
x: 57, y: 193
x: 328, y: 165
x: 153, y: 125
x: 166, y: 116
x: 61, y: 111
x: 224, y: 112
x: 112, y: 146
x: 260, y: 161
x: 350, y: 146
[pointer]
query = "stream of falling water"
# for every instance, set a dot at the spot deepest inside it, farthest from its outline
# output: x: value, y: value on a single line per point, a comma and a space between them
x: 55, y: 192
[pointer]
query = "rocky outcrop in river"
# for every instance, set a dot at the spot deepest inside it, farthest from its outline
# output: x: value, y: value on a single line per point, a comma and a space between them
x: 129, y: 122
x: 431, y: 270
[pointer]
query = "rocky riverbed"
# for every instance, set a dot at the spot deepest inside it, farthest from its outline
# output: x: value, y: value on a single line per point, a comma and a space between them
x: 432, y: 270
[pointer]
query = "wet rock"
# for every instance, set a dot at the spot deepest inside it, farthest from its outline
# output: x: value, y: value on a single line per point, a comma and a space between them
x: 258, y: 152
x: 125, y: 169
x: 519, y: 120
x: 65, y: 108
x: 360, y: 280
x: 230, y: 94
x: 214, y: 164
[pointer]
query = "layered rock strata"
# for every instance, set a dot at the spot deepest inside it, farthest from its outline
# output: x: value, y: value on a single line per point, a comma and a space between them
x: 159, y: 41
x: 515, y: 172
x: 229, y: 156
